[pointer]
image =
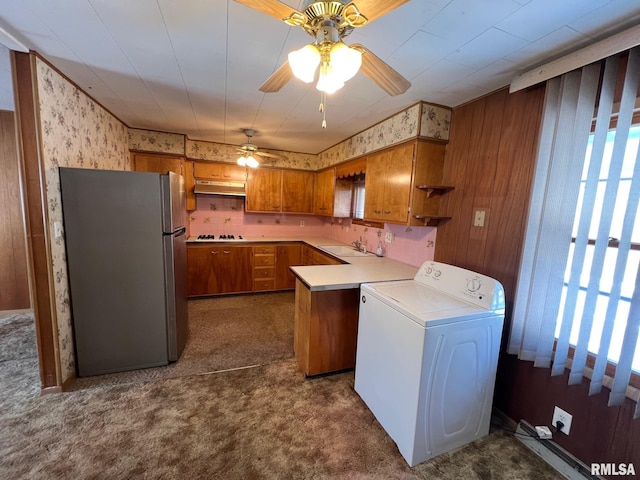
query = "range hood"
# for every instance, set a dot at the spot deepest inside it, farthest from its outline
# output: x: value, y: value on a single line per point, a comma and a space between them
x: 211, y: 187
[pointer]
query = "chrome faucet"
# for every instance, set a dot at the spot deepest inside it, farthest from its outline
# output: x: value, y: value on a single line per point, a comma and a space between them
x: 357, y: 244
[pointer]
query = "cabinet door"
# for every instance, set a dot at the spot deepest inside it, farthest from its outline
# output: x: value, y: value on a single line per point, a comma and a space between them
x: 146, y: 162
x: 188, y: 185
x: 214, y: 269
x: 374, y: 183
x: 323, y: 195
x: 233, y: 267
x: 287, y: 256
x: 297, y: 191
x: 220, y: 171
x: 397, y: 187
x: 201, y: 276
x: 264, y: 190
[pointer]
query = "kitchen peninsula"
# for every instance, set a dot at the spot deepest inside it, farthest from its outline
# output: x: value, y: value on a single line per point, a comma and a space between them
x: 326, y: 308
x: 326, y: 275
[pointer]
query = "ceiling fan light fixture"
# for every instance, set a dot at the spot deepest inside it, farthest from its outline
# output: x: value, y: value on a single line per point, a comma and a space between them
x: 304, y: 62
x: 242, y: 161
x: 329, y: 80
x: 345, y: 61
x: 251, y: 162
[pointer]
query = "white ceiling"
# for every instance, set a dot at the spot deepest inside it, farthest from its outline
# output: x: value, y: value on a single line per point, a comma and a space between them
x: 194, y: 66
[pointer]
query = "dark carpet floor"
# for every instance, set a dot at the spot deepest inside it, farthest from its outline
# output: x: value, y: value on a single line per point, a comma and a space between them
x: 205, y: 419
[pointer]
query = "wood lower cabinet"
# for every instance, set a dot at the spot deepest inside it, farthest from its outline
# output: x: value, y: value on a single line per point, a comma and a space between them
x: 264, y: 268
x: 313, y: 256
x: 325, y: 329
x: 222, y: 268
x: 215, y: 269
x: 287, y: 255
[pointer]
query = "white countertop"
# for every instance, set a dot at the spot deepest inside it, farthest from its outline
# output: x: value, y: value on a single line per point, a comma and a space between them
x: 357, y: 270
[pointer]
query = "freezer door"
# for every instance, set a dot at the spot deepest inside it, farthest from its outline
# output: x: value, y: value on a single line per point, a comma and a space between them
x: 173, y: 202
x: 176, y: 292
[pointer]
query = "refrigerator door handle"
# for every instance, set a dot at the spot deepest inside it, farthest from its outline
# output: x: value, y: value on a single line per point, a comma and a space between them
x: 180, y: 232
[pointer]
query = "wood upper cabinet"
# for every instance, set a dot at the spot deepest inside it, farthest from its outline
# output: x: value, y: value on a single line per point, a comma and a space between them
x: 149, y: 162
x: 297, y: 191
x: 264, y: 190
x: 287, y: 255
x: 278, y: 190
x: 388, y: 184
x: 226, y: 172
x: 215, y: 269
x: 324, y: 189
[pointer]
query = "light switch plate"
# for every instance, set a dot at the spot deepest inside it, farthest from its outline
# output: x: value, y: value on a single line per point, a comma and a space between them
x: 388, y: 237
x: 478, y: 218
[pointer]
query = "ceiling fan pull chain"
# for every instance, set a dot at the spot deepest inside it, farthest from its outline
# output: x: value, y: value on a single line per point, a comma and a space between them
x: 323, y: 100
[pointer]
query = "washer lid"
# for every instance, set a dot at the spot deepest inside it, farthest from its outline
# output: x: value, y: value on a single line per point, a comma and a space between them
x: 425, y: 305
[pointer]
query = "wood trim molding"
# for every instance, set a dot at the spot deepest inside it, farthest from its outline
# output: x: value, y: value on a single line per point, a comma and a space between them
x: 34, y: 198
x: 593, y: 53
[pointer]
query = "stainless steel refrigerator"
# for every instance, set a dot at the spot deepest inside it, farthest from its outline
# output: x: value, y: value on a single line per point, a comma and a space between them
x: 126, y: 256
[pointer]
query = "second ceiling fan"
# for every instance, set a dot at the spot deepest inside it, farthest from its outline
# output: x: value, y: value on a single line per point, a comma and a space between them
x: 328, y: 22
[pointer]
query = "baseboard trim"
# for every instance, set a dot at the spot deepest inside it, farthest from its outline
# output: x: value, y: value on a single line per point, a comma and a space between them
x: 552, y: 453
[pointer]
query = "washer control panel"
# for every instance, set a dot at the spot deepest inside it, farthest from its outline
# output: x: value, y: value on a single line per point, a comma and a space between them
x: 464, y: 284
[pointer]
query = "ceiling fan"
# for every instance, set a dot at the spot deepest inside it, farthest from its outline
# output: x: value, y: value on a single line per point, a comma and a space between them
x: 249, y: 151
x: 328, y: 22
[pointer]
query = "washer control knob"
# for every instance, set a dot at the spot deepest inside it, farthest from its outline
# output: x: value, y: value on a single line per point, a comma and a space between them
x: 473, y: 285
x: 437, y: 273
x: 428, y: 270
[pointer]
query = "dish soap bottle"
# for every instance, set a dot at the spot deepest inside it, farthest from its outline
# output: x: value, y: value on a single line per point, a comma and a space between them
x: 379, y: 249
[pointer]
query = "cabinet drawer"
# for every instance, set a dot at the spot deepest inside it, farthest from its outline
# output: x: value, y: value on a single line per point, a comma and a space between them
x: 265, y: 249
x: 268, y: 284
x: 264, y: 272
x: 264, y: 260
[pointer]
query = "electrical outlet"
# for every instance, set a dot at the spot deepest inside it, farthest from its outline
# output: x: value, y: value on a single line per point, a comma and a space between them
x: 57, y: 228
x: 388, y: 237
x: 302, y: 223
x: 560, y: 415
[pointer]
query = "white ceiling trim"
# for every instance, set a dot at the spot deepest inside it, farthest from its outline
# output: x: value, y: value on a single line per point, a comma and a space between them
x: 11, y: 42
x: 597, y: 51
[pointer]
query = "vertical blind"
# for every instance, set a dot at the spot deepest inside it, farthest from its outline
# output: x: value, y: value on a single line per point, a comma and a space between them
x: 559, y: 302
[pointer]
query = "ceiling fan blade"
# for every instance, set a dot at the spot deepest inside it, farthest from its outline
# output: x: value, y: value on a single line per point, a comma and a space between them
x: 278, y: 80
x: 267, y: 155
x: 375, y: 8
x: 381, y: 73
x: 271, y: 7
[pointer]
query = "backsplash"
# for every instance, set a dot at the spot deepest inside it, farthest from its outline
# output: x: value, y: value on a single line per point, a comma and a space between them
x: 220, y: 215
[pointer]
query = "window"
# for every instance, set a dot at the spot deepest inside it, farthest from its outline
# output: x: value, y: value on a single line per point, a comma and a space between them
x: 577, y: 302
x: 613, y: 294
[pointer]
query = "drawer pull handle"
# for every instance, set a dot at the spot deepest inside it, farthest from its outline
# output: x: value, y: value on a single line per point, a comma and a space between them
x: 215, y: 252
x: 226, y: 251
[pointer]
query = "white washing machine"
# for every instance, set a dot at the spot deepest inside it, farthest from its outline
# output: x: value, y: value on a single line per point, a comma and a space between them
x: 427, y: 355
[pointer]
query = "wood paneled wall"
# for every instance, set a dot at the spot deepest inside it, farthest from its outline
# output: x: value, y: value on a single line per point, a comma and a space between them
x: 490, y: 160
x: 14, y: 283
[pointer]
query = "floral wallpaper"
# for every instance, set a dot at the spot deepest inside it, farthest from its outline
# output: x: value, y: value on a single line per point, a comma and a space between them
x: 422, y: 119
x: 151, y: 141
x: 222, y: 152
x: 75, y: 132
x: 435, y: 121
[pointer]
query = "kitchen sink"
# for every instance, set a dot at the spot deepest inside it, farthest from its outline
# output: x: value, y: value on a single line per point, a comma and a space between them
x: 343, y: 251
